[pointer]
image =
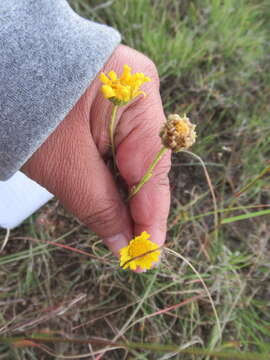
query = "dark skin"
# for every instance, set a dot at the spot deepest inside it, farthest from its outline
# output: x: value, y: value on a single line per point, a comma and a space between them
x: 70, y: 164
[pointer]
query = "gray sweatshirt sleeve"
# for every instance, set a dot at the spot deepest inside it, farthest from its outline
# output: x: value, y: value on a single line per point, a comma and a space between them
x: 48, y: 57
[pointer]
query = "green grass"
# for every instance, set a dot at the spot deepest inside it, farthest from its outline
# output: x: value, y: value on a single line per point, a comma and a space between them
x: 212, y: 58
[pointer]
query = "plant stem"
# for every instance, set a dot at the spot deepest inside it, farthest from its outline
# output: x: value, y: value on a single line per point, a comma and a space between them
x: 247, y: 187
x: 149, y: 173
x: 212, y: 192
x: 36, y: 339
x: 111, y: 131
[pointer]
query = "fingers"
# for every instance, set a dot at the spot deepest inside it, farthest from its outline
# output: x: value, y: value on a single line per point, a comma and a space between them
x: 138, y: 144
x: 137, y: 139
x: 69, y: 165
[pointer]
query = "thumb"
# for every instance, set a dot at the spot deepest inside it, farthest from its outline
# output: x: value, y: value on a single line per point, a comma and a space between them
x: 69, y: 165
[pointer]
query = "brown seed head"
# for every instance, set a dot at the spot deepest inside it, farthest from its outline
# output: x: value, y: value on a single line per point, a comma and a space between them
x: 178, y: 133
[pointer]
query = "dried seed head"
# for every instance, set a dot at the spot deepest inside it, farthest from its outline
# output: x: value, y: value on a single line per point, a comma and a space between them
x: 178, y: 133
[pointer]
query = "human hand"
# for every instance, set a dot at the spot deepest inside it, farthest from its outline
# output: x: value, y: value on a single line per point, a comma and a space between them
x: 70, y: 163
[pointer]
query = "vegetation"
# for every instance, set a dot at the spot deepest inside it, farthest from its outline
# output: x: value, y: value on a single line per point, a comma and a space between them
x: 213, y: 60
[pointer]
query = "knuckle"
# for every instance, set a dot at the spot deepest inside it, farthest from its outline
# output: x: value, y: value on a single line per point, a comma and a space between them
x: 161, y: 177
x: 105, y: 217
x: 127, y: 55
x: 162, y: 171
x: 151, y: 69
x: 164, y: 182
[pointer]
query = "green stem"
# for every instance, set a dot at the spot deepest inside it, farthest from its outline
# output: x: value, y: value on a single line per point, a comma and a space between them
x: 252, y: 182
x: 241, y: 191
x: 149, y: 173
x: 111, y: 131
x: 194, y: 351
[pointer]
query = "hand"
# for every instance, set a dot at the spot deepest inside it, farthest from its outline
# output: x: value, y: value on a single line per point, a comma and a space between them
x: 70, y: 163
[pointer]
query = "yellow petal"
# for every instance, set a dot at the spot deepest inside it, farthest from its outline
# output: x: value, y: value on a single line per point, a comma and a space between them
x: 126, y: 75
x: 112, y: 75
x: 124, y: 251
x: 124, y: 257
x: 133, y: 265
x: 147, y: 265
x: 127, y: 68
x: 125, y: 266
x: 139, y: 93
x: 155, y: 258
x: 144, y: 235
x: 107, y: 91
x: 103, y: 78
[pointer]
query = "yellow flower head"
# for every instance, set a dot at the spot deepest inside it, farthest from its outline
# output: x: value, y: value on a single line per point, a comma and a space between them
x: 133, y: 254
x: 124, y: 89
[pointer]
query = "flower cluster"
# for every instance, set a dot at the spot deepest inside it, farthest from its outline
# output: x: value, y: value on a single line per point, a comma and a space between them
x: 178, y: 133
x: 124, y: 89
x: 141, y: 252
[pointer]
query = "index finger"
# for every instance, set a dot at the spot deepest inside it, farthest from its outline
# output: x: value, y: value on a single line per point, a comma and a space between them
x: 138, y: 143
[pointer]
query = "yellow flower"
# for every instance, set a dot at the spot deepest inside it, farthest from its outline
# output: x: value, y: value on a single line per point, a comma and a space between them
x: 133, y: 254
x: 124, y: 89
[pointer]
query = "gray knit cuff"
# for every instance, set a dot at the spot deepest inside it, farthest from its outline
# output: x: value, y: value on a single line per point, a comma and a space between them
x: 49, y: 56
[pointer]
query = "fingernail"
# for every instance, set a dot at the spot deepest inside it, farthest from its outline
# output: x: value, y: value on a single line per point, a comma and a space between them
x: 116, y: 243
